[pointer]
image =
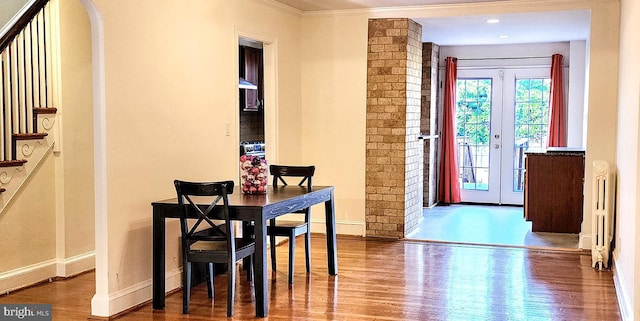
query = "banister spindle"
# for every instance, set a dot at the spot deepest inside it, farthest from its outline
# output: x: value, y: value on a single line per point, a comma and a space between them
x: 22, y: 82
x: 42, y: 61
x: 47, y: 65
x: 16, y: 88
x: 3, y: 145
x: 32, y: 68
x: 28, y: 88
x: 13, y: 91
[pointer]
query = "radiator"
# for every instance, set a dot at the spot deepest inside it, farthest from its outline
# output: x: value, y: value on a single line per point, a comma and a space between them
x: 602, y: 213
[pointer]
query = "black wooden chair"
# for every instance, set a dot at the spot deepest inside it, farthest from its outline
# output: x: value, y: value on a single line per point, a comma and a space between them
x: 291, y: 229
x: 217, y: 245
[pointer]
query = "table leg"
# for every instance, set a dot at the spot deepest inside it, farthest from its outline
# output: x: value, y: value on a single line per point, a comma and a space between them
x: 332, y: 253
x: 260, y: 282
x: 158, y: 261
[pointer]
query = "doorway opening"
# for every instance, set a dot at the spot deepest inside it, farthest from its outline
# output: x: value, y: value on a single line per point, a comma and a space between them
x: 502, y: 104
x: 251, y: 98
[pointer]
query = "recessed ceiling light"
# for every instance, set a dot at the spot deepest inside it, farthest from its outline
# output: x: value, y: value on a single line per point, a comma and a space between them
x: 503, y: 36
x: 493, y: 20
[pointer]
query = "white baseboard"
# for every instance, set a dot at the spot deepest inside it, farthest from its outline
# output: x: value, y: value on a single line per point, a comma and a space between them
x: 43, y: 271
x: 28, y: 275
x: 76, y: 264
x: 342, y: 227
x: 624, y: 301
x: 137, y: 294
x: 173, y: 280
x: 584, y: 241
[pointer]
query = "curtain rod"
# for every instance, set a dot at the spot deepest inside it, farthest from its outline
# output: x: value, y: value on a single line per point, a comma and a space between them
x: 503, y: 58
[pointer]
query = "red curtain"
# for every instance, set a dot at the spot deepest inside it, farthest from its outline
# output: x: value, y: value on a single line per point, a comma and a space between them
x: 449, y: 186
x: 557, y: 123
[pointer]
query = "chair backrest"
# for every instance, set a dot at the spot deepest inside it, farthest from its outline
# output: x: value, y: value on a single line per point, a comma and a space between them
x: 279, y: 173
x: 219, y: 191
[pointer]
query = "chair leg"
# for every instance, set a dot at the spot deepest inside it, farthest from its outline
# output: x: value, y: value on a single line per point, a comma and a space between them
x: 210, y: 275
x: 307, y: 248
x: 292, y: 253
x: 186, y: 287
x: 231, y: 285
x: 272, y: 246
x: 249, y: 268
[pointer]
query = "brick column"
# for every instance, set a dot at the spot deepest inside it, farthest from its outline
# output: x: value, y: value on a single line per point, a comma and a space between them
x: 394, y: 155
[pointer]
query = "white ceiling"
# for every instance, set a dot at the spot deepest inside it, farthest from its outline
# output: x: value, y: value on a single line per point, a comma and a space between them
x: 319, y: 5
x: 473, y: 30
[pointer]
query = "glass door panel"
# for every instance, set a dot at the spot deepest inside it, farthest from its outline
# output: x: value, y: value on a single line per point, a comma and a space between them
x: 525, y: 123
x: 478, y: 92
x: 473, y: 115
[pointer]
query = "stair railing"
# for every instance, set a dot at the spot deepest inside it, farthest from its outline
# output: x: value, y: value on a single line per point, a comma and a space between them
x: 26, y: 95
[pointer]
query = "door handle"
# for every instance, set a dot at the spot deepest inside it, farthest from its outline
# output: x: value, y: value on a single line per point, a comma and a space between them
x: 496, y: 146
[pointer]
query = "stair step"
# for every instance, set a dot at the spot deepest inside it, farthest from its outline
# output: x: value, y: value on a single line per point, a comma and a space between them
x: 9, y: 163
x: 29, y: 136
x: 44, y: 110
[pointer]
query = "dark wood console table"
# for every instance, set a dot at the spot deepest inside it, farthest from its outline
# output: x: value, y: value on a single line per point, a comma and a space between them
x: 553, y: 192
x: 249, y: 208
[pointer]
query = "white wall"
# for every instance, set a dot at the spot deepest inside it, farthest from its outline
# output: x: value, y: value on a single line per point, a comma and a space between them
x: 27, y: 228
x: 333, y: 111
x: 74, y: 159
x: 627, y: 265
x: 575, y: 95
x: 170, y: 88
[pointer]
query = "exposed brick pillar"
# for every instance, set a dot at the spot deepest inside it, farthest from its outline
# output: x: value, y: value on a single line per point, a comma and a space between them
x: 429, y: 120
x: 394, y: 155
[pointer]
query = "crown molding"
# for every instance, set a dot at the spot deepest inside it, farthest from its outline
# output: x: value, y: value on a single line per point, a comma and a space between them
x: 281, y: 6
x: 431, y: 9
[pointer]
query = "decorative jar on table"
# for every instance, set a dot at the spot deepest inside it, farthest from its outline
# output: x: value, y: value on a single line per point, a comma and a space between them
x: 254, y: 176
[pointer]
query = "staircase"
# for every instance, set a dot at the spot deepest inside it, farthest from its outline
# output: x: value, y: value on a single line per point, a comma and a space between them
x: 27, y: 96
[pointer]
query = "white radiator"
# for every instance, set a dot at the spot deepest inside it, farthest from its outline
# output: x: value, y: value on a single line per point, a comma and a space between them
x: 602, y: 213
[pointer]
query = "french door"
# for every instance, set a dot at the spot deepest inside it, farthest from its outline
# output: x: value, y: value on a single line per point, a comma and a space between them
x: 500, y: 114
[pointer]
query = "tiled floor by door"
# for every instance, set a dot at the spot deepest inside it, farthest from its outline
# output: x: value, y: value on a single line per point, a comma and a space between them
x: 487, y: 225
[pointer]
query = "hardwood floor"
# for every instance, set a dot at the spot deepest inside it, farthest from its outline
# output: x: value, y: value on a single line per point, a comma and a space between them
x: 387, y: 280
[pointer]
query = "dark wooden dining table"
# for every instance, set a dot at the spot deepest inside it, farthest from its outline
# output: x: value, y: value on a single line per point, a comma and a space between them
x: 249, y: 208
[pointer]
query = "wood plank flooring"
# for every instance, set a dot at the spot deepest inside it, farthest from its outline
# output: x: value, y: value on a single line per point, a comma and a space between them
x: 386, y: 280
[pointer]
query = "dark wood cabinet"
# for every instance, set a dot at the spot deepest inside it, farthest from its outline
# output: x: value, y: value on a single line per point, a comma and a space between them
x: 553, y: 192
x: 252, y: 73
